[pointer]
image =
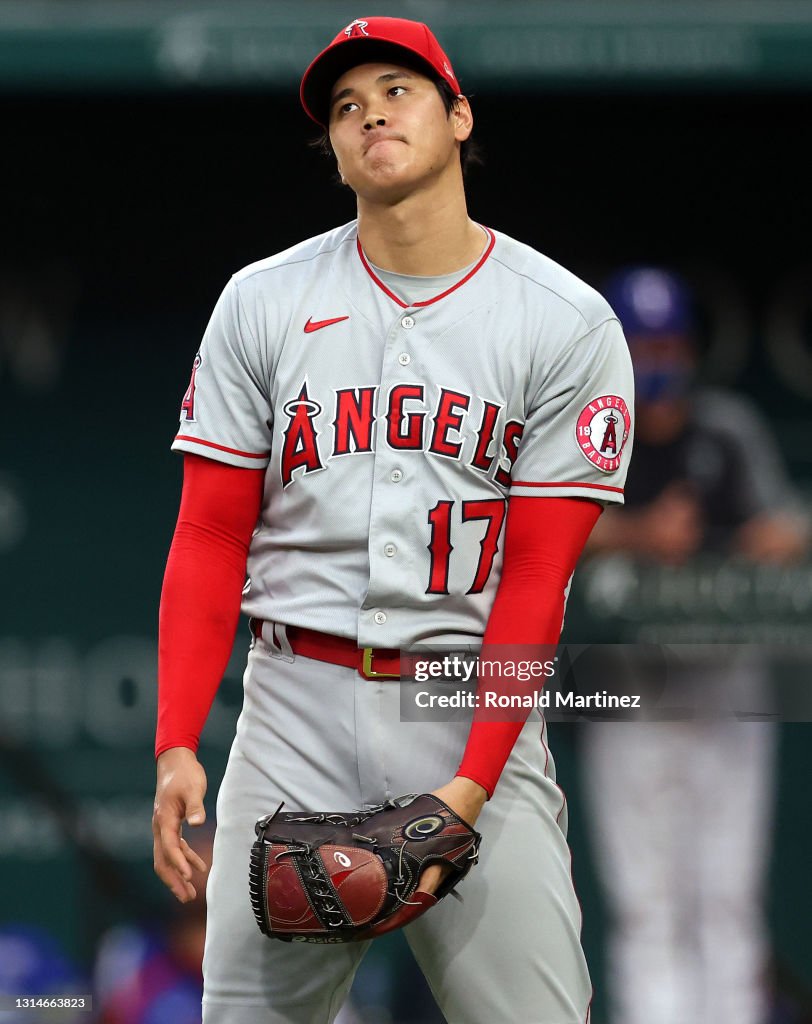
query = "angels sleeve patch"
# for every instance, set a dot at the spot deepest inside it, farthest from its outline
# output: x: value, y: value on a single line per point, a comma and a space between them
x: 602, y: 430
x: 187, y: 406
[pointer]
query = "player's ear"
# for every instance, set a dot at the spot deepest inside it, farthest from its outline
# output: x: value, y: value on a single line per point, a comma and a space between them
x: 463, y: 118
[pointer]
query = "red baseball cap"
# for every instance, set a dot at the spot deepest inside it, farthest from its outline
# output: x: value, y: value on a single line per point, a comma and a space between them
x: 366, y: 40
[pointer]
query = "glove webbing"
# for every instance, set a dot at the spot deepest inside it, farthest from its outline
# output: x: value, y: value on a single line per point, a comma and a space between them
x: 348, y: 820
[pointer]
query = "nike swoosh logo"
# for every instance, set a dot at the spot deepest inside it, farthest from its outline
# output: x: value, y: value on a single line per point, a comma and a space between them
x: 316, y: 325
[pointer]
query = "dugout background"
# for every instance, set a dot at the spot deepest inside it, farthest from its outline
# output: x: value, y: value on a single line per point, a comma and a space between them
x: 126, y: 206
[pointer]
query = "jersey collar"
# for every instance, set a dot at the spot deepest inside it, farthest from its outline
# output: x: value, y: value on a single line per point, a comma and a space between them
x: 427, y: 302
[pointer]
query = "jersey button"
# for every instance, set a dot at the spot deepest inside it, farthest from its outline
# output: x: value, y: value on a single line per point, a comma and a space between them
x: 407, y: 323
x: 380, y: 618
x: 396, y: 476
x: 404, y: 358
x: 389, y: 550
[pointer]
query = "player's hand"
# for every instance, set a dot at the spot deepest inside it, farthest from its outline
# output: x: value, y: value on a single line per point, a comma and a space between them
x: 179, y: 796
x: 670, y: 528
x: 774, y: 538
x: 466, y: 798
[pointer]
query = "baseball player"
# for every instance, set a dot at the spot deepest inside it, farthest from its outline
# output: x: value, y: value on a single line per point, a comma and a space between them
x: 681, y: 810
x: 407, y: 427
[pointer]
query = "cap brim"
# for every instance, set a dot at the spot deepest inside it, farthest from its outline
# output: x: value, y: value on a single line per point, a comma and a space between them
x: 330, y: 65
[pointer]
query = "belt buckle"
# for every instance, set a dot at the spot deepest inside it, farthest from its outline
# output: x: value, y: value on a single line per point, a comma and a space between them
x: 369, y: 672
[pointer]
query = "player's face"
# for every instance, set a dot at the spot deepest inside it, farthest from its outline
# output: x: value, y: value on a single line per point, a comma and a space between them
x: 663, y: 367
x: 391, y: 133
x: 663, y: 375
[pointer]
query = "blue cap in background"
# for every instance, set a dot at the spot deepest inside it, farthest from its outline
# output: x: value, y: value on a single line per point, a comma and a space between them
x: 650, y: 301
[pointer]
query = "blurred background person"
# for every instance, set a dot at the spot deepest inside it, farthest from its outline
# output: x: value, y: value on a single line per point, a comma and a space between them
x: 681, y: 810
x: 33, y: 962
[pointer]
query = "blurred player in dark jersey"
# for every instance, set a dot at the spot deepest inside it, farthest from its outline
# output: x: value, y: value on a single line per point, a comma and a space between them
x: 682, y: 810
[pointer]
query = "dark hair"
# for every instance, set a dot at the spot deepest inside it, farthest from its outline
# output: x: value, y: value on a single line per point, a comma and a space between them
x: 470, y: 152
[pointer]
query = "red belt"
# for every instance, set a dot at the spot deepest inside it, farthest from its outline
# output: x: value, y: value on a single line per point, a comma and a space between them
x: 369, y: 662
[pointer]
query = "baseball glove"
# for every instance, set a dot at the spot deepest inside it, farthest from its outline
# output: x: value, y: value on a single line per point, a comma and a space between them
x: 334, y: 877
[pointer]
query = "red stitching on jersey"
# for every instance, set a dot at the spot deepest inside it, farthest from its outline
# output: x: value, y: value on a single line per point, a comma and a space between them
x: 597, y: 487
x: 221, y: 447
x: 375, y: 278
x: 442, y: 295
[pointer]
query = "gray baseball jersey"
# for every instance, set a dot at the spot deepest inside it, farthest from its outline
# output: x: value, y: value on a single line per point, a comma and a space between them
x: 392, y: 434
x: 393, y: 423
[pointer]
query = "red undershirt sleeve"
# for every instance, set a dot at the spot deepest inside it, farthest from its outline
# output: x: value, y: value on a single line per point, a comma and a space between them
x: 202, y: 590
x: 544, y: 538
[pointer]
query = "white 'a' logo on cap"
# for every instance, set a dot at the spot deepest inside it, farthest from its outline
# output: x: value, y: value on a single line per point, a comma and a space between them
x: 356, y: 28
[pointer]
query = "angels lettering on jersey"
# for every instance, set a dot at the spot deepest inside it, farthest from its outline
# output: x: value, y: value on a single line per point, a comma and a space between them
x: 408, y: 423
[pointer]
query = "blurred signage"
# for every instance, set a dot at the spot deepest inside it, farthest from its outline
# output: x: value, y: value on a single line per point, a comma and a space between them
x: 708, y: 600
x: 99, y: 45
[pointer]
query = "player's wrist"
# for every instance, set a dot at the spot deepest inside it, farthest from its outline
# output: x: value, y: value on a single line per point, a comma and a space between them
x: 172, y: 756
x: 470, y: 786
x: 464, y: 796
